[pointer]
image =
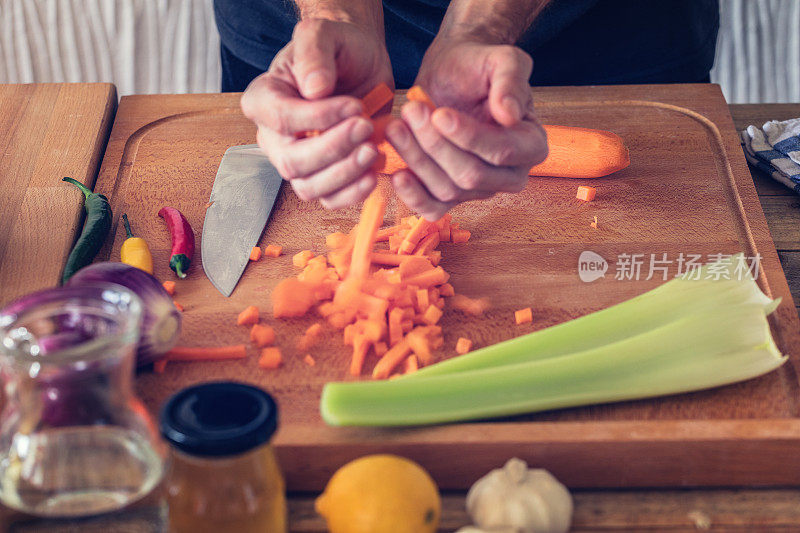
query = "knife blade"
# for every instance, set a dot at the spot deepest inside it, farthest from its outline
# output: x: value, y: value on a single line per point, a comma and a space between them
x: 242, y: 198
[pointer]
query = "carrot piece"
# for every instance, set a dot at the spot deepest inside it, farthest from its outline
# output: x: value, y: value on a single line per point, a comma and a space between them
x: 432, y: 314
x: 349, y: 334
x: 414, y: 266
x: 160, y: 365
x: 523, y: 316
x: 262, y: 335
x: 383, y: 234
x: 300, y: 259
x: 178, y: 306
x: 395, y: 326
x: 255, y: 253
x: 463, y: 345
x: 326, y: 308
x: 470, y: 306
x: 380, y: 348
x: 393, y: 357
x: 291, y: 298
x: 309, y: 360
x: 413, y: 237
x: 407, y: 325
x: 271, y: 358
x: 338, y: 320
x: 438, y: 302
x: 459, y: 235
x: 409, y: 221
x: 418, y: 94
x: 248, y: 317
x: 169, y: 286
x: 371, y: 218
x: 428, y: 244
x: 437, y: 276
x: 411, y: 365
x: 445, y: 289
x: 435, y: 257
x: 419, y: 343
x: 273, y: 250
x: 581, y: 153
x: 388, y: 258
x: 586, y: 193
x: 336, y: 239
x: 217, y: 353
x: 310, y: 338
x: 422, y: 300
x: 360, y: 347
x: 593, y: 223
x: 376, y: 99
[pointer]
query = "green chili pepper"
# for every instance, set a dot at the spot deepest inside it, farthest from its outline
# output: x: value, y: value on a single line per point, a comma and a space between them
x: 95, y: 230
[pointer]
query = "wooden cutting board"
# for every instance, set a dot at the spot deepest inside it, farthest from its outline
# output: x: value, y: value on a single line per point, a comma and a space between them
x: 47, y: 131
x: 687, y: 191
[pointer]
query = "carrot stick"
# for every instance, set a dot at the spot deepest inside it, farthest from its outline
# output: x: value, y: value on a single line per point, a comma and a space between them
x: 383, y: 234
x: 395, y: 326
x: 390, y: 259
x: 417, y: 232
x: 360, y: 347
x: 437, y: 276
x: 390, y: 360
x: 377, y: 98
x: 216, y: 353
x: 428, y: 244
x: 411, y: 365
x: 370, y: 221
x: 418, y: 94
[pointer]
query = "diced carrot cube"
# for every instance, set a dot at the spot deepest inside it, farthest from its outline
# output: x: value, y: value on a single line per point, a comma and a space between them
x: 446, y: 290
x: 309, y: 360
x: 248, y: 317
x: 300, y: 259
x: 262, y: 335
x: 432, y: 314
x: 178, y: 306
x: 471, y: 306
x: 169, y: 286
x: 270, y: 358
x: 273, y: 250
x: 523, y: 316
x: 459, y: 235
x: 586, y: 193
x: 255, y: 253
x: 463, y: 345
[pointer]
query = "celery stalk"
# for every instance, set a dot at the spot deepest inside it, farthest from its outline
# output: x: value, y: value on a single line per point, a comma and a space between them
x: 640, y: 314
x: 704, y: 348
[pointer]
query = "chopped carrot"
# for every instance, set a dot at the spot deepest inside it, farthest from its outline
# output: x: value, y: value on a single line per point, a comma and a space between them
x: 411, y: 365
x: 383, y: 234
x: 395, y: 326
x: 360, y: 347
x: 459, y: 235
x: 463, y: 345
x: 427, y: 244
x: 446, y: 290
x: 338, y: 320
x: 209, y: 204
x: 523, y: 316
x: 423, y: 301
x: 336, y: 240
x: 160, y: 365
x: 271, y: 358
x: 273, y: 250
x: 370, y: 221
x: 325, y: 309
x: 390, y: 259
x: 471, y: 306
x: 310, y: 338
x: 437, y: 276
x: 435, y: 257
x: 169, y: 286
x: 262, y: 335
x: 393, y: 357
x: 300, y: 259
x: 309, y: 360
x: 413, y: 237
x: 380, y: 348
x: 255, y: 253
x: 376, y: 99
x: 414, y: 266
x: 419, y: 343
x: 248, y: 317
x: 418, y: 94
x: 407, y: 325
x: 178, y: 306
x: 291, y: 298
x: 432, y: 314
x: 594, y: 223
x: 586, y: 193
x: 217, y: 353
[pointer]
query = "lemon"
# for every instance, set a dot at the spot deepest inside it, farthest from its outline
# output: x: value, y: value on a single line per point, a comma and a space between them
x: 380, y: 494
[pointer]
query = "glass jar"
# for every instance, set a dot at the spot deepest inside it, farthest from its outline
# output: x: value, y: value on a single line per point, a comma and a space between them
x: 74, y: 440
x: 223, y: 474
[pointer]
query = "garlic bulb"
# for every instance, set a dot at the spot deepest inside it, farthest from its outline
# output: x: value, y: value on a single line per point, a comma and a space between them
x: 516, y: 498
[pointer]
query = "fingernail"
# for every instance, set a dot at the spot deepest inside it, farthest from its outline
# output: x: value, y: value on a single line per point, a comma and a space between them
x: 361, y: 131
x: 397, y: 133
x: 416, y: 114
x: 350, y: 109
x: 444, y: 120
x: 315, y: 82
x: 513, y: 108
x: 365, y: 154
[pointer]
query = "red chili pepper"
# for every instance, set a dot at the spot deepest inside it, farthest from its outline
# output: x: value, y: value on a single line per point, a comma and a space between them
x: 182, y: 240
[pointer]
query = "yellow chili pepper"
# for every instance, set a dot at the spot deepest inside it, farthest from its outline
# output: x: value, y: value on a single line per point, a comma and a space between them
x: 134, y: 250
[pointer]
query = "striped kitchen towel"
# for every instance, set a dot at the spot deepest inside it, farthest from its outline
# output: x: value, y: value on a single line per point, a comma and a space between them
x: 775, y: 149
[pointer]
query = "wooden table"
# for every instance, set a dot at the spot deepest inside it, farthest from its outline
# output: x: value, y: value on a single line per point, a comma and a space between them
x: 775, y: 509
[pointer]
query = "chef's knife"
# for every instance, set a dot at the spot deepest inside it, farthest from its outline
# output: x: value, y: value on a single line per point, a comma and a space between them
x: 241, y: 201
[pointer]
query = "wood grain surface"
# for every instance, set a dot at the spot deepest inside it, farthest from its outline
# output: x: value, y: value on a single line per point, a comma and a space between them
x: 47, y: 131
x: 687, y: 190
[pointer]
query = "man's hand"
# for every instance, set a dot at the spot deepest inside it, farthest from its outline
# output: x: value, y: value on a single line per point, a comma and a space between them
x: 314, y: 83
x: 484, y: 137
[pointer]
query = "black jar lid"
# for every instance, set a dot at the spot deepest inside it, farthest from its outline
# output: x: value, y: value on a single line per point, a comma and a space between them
x: 219, y: 419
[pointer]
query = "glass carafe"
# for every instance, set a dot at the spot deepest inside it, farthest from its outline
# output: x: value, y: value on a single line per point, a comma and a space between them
x: 74, y: 440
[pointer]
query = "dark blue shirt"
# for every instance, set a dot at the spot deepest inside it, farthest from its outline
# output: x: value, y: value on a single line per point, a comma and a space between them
x: 572, y: 42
